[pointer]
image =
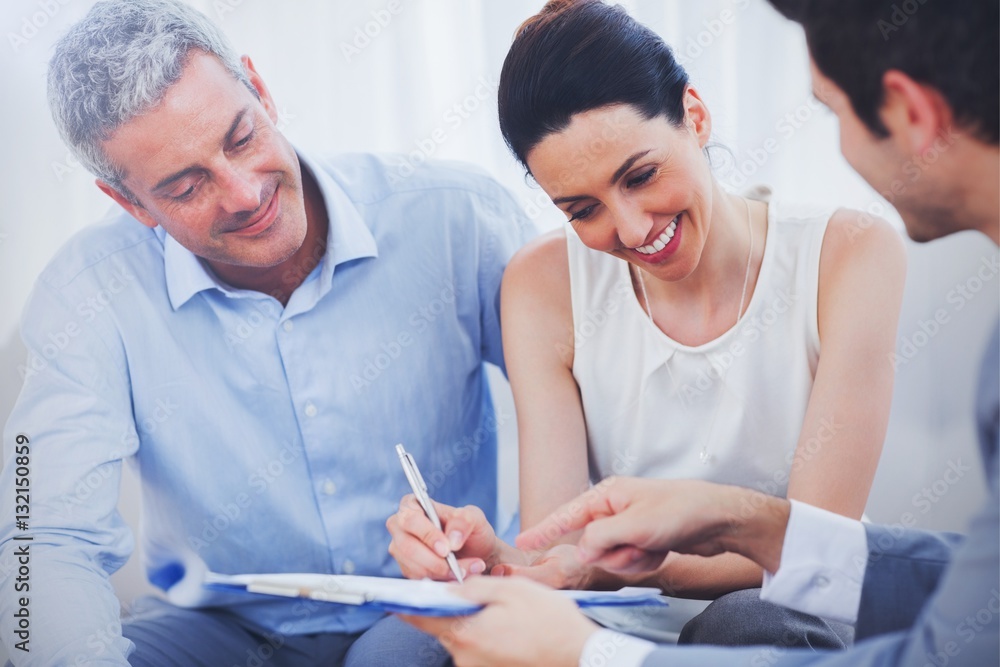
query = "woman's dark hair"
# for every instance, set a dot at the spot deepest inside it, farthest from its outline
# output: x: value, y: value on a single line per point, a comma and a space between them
x: 578, y: 55
x: 950, y: 46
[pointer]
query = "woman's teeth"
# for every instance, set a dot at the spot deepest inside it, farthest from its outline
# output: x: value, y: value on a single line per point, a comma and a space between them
x: 662, y: 240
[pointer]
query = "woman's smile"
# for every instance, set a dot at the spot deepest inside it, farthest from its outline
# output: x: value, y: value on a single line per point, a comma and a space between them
x: 664, y: 245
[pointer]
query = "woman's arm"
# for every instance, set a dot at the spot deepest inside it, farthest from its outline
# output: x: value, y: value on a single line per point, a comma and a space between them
x: 537, y: 316
x: 862, y: 270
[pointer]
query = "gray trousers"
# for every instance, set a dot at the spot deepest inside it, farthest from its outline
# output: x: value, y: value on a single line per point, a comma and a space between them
x: 741, y: 618
x: 169, y: 636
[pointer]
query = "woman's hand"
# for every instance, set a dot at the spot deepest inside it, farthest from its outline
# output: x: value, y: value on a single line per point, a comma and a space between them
x: 558, y: 567
x: 420, y: 548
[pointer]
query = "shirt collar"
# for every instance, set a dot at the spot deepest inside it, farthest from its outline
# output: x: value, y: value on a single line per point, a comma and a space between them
x: 348, y: 238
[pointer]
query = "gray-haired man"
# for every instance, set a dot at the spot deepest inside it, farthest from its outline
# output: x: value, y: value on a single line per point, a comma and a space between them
x: 277, y: 323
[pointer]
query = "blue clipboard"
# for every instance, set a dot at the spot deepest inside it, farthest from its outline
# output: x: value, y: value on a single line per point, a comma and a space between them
x: 404, y: 596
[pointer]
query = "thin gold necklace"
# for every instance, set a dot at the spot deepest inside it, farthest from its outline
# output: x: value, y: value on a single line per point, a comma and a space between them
x: 703, y: 455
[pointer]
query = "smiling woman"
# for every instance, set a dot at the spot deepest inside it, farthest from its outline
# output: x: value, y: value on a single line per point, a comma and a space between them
x: 674, y: 329
x: 695, y: 376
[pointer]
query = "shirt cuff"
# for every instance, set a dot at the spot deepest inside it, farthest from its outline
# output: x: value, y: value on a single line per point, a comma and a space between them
x: 822, y: 568
x: 606, y: 647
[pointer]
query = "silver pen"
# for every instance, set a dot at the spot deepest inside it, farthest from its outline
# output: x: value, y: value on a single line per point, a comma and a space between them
x: 419, y: 487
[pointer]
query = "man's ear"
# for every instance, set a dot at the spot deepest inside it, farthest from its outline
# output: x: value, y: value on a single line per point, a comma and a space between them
x: 137, y: 211
x: 696, y: 116
x: 258, y: 83
x: 914, y: 114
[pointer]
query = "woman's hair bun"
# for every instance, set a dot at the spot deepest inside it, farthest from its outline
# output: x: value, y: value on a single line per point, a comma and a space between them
x: 550, y: 10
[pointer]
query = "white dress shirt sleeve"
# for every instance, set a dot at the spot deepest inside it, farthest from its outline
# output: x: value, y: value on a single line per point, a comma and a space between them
x: 822, y: 566
x: 606, y: 648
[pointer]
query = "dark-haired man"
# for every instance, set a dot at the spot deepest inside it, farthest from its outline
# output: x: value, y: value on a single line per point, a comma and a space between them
x: 900, y: 89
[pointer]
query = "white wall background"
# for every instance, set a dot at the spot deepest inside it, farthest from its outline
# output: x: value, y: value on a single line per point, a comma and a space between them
x: 392, y: 93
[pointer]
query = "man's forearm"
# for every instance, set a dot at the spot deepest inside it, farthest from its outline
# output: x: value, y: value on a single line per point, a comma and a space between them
x: 753, y: 525
x: 72, y: 615
x: 744, y: 522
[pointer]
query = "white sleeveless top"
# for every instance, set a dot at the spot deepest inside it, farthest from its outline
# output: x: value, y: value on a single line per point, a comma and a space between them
x: 649, y: 401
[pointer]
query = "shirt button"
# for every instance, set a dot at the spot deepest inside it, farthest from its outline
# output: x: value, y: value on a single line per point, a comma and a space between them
x: 348, y: 567
x: 822, y: 581
x: 310, y: 410
x: 288, y: 326
x: 329, y: 488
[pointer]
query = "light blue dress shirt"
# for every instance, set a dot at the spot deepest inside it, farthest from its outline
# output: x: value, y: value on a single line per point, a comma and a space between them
x: 264, y: 436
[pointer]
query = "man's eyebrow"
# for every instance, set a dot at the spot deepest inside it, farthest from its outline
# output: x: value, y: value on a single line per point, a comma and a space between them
x: 173, y: 178
x: 614, y: 179
x: 236, y: 122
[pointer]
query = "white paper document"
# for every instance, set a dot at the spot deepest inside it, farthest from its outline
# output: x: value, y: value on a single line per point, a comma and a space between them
x: 428, y: 598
